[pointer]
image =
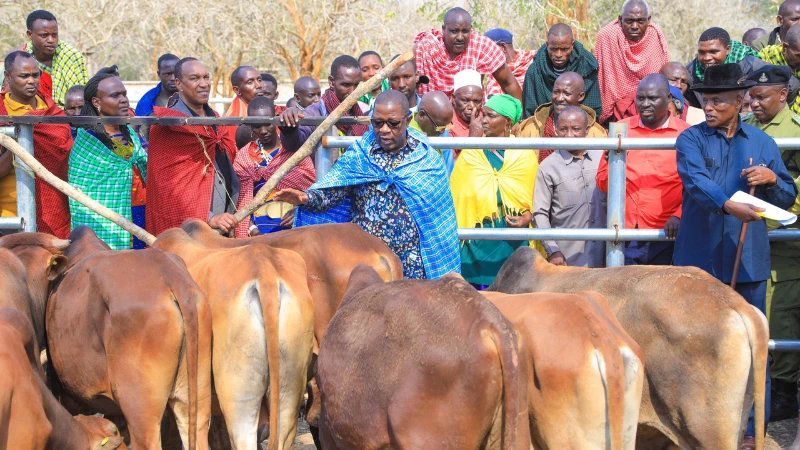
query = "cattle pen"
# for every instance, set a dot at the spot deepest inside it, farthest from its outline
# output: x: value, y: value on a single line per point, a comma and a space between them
x: 615, y: 233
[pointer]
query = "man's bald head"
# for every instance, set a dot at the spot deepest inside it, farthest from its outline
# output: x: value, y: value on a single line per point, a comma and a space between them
x: 751, y: 35
x: 455, y: 15
x: 657, y: 81
x: 572, y: 122
x: 676, y: 74
x: 793, y: 36
x: 306, y: 91
x: 392, y: 98
x: 437, y: 106
x: 568, y: 90
x: 653, y: 98
x: 788, y: 7
x: 560, y: 30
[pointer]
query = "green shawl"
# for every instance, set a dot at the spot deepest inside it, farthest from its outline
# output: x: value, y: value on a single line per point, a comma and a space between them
x: 107, y: 178
x: 537, y: 89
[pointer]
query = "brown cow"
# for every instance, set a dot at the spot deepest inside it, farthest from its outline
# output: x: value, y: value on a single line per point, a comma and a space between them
x: 585, y: 373
x: 262, y: 332
x: 29, y: 262
x: 330, y: 252
x: 705, y: 348
x: 420, y: 364
x: 30, y: 417
x: 130, y: 332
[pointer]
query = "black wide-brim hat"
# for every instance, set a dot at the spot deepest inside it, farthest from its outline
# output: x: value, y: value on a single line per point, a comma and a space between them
x: 722, y: 78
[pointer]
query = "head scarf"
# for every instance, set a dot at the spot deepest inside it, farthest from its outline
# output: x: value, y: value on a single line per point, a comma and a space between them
x: 505, y: 105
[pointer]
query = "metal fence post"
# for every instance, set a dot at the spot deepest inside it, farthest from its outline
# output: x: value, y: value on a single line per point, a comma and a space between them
x: 26, y: 188
x: 325, y: 157
x: 616, y: 195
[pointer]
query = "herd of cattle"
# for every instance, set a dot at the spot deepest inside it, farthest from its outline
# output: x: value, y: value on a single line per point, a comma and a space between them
x: 250, y: 330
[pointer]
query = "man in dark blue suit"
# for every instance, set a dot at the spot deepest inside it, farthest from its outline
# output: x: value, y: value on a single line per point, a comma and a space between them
x: 715, y: 159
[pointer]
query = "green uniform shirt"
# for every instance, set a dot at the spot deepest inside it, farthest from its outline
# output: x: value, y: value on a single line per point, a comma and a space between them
x: 785, y: 255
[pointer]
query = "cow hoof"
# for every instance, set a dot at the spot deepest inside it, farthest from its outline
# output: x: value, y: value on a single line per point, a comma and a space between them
x: 749, y: 443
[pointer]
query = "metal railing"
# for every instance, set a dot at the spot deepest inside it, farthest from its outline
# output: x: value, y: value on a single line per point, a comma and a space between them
x: 328, y: 150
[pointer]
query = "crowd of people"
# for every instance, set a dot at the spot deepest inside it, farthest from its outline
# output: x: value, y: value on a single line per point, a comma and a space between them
x: 724, y: 107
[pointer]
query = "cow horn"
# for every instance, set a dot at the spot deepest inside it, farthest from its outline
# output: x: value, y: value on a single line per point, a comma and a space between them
x: 60, y: 244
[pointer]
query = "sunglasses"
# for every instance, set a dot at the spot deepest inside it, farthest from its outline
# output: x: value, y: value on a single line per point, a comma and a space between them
x: 393, y: 124
x: 439, y: 128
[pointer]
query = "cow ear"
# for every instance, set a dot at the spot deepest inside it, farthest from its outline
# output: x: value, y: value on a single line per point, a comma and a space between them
x: 57, y: 266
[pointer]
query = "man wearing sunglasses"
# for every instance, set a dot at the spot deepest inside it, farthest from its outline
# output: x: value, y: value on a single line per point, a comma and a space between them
x: 434, y: 112
x: 394, y: 186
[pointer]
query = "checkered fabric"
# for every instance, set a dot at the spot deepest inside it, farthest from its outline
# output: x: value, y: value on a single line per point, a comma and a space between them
x: 69, y: 69
x: 422, y: 181
x: 519, y: 67
x: 623, y: 64
x: 107, y: 178
x: 773, y: 54
x: 481, y: 54
x: 252, y: 177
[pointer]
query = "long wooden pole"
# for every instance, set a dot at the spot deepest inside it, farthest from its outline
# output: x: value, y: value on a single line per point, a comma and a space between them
x: 308, y: 147
x: 70, y: 191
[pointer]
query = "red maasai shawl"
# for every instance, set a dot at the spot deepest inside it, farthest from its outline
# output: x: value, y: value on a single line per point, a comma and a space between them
x: 331, y: 102
x: 250, y: 174
x: 622, y: 64
x: 481, y: 54
x: 180, y: 171
x: 519, y: 67
x: 549, y: 131
x: 51, y: 147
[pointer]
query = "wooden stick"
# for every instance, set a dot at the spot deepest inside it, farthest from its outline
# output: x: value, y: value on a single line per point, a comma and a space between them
x: 308, y: 147
x: 737, y: 263
x: 70, y: 191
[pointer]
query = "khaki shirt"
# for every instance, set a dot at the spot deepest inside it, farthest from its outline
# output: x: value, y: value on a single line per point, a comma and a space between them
x: 785, y: 255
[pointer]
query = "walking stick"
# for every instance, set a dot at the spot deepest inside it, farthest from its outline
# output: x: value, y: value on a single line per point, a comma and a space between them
x: 70, y: 191
x: 740, y: 248
x: 308, y: 147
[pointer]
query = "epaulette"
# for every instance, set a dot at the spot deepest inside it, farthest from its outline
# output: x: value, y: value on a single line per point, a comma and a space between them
x: 747, y: 116
x: 796, y: 119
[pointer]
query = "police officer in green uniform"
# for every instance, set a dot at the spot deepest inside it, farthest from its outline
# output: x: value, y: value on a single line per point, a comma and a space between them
x: 772, y: 115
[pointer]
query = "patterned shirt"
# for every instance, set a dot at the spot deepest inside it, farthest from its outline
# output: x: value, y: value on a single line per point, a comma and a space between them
x: 381, y: 213
x: 69, y: 69
x: 774, y: 55
x: 481, y: 54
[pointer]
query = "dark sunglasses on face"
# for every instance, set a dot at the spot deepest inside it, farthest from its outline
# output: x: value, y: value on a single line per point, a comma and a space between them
x: 393, y: 124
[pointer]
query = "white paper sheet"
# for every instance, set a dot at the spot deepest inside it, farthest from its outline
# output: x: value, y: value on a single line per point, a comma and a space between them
x: 770, y: 211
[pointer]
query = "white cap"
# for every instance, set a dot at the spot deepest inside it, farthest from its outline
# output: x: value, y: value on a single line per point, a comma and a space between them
x: 467, y: 77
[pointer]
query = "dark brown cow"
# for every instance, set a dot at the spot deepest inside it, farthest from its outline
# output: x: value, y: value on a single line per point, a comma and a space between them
x: 420, y: 364
x: 330, y: 251
x: 130, y: 332
x: 705, y: 348
x: 30, y: 417
x: 585, y: 373
x: 29, y: 262
x: 262, y: 319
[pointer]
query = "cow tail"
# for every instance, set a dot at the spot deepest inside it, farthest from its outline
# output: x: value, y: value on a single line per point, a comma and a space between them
x: 271, y: 316
x: 188, y: 307
x: 514, y: 391
x: 758, y: 336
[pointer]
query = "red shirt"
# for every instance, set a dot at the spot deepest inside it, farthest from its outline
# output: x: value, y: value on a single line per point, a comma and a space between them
x: 653, y: 192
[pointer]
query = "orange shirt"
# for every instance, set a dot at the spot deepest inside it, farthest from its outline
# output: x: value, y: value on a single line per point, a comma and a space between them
x: 653, y: 192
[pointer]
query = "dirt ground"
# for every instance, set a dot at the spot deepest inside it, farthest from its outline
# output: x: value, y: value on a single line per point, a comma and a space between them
x: 779, y: 436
